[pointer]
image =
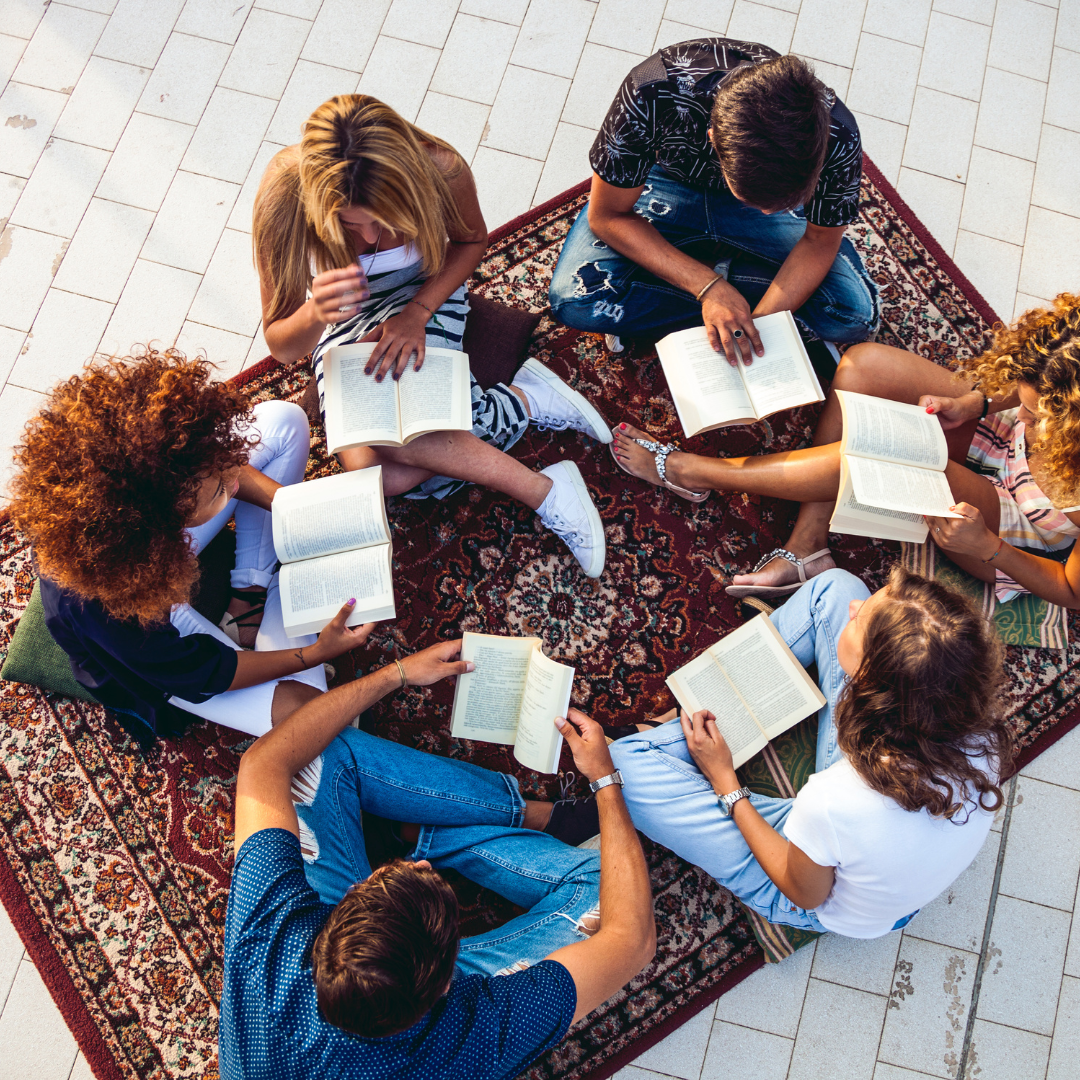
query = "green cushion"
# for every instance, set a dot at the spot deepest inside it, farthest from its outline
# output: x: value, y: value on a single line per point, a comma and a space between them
x: 34, y: 657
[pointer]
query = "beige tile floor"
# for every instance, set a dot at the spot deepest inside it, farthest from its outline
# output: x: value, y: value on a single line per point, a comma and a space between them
x: 133, y: 136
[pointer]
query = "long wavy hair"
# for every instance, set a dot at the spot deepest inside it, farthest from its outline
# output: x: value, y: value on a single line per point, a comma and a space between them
x: 926, y: 698
x: 109, y: 473
x: 1042, y: 350
x: 355, y: 151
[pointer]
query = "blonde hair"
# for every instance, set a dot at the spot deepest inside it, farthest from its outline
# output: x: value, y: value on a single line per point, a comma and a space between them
x: 355, y: 151
x: 1042, y: 350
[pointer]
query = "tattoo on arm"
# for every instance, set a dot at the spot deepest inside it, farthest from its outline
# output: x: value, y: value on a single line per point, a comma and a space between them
x: 299, y: 654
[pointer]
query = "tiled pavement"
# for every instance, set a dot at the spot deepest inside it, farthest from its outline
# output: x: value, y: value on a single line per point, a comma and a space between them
x: 134, y: 133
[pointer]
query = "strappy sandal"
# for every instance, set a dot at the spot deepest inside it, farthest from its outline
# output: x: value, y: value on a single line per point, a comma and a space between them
x: 233, y: 624
x: 623, y: 730
x: 739, y: 591
x: 660, y: 452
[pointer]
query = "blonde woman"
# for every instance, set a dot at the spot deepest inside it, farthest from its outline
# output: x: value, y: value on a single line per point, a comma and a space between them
x: 1013, y: 413
x: 367, y: 230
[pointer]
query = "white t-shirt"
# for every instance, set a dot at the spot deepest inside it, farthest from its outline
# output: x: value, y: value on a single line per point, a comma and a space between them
x: 889, y: 861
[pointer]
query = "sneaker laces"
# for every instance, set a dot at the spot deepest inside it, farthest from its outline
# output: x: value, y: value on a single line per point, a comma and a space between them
x: 565, y: 786
x: 562, y: 528
x: 549, y: 423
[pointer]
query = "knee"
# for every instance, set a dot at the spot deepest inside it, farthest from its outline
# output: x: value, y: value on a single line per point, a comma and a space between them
x: 860, y: 368
x: 285, y: 419
x: 835, y: 589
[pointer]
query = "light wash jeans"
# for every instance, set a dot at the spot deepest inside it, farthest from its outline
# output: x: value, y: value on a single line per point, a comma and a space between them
x: 471, y: 820
x: 672, y: 802
x: 595, y: 288
x: 282, y: 453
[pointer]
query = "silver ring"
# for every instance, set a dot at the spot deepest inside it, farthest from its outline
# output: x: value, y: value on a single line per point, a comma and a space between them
x: 937, y: 530
x: 736, y: 333
x: 347, y: 307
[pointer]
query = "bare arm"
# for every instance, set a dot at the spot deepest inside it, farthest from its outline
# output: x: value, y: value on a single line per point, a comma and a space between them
x: 626, y: 941
x: 256, y: 488
x: 612, y: 219
x: 805, y: 268
x: 802, y: 881
x: 263, y: 796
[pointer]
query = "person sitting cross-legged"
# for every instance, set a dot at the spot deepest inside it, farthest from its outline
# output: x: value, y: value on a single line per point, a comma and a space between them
x: 335, y: 970
x: 912, y: 743
x: 724, y: 176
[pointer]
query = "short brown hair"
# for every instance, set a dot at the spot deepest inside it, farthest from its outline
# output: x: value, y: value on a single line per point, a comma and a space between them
x: 387, y: 952
x: 770, y: 128
x: 109, y: 473
x: 928, y: 695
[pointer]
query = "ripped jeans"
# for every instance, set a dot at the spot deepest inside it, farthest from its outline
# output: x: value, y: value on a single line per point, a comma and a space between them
x: 671, y: 801
x: 595, y: 288
x: 471, y: 822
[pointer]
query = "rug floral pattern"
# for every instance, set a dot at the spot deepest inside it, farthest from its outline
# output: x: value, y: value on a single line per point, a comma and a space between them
x: 121, y: 861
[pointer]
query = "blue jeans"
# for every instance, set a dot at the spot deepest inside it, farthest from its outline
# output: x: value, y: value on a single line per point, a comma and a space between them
x: 595, y: 288
x: 672, y: 802
x: 471, y: 820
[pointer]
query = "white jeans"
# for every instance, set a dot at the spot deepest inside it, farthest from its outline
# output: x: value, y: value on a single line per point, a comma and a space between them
x: 282, y: 453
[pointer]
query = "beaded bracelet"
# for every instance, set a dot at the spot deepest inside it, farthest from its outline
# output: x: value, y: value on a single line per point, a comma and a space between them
x: 420, y: 303
x: 1000, y: 548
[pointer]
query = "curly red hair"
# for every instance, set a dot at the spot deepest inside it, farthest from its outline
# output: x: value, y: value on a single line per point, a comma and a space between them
x: 109, y: 472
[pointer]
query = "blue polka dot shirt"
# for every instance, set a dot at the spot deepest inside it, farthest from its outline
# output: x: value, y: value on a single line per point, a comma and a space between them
x: 270, y: 1027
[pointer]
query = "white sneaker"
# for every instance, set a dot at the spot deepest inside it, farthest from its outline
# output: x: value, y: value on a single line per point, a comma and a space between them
x: 557, y: 406
x: 613, y: 343
x: 568, y: 511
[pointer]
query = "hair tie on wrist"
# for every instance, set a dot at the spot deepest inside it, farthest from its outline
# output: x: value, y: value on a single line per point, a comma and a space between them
x: 718, y: 277
x: 1000, y: 548
x: 986, y: 406
x: 401, y: 672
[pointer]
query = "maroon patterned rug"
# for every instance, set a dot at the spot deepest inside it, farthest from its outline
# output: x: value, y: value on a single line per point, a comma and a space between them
x: 114, y: 865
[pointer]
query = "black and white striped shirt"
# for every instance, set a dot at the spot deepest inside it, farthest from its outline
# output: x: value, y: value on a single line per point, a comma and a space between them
x: 661, y: 116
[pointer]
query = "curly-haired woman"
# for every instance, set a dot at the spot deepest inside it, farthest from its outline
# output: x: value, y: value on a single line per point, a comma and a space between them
x: 129, y: 470
x: 1013, y: 412
x: 367, y: 230
x: 910, y: 752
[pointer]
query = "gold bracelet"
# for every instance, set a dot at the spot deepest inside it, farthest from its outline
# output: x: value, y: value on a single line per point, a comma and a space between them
x: 719, y: 277
x: 401, y: 672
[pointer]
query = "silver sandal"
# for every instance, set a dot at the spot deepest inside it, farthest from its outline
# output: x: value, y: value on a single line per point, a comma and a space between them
x: 739, y: 591
x: 660, y: 453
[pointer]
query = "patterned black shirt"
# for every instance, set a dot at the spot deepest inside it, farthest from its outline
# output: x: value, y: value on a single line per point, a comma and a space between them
x: 661, y: 116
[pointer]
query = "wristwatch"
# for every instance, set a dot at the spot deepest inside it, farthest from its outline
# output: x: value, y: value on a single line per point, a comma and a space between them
x: 606, y: 781
x: 726, y: 802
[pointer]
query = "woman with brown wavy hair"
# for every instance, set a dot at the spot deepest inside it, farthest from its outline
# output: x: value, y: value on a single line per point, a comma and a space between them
x: 368, y: 230
x: 1012, y: 413
x: 912, y: 744
x: 128, y: 471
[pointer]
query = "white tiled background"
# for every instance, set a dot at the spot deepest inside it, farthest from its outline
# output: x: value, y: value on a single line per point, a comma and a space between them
x: 132, y: 137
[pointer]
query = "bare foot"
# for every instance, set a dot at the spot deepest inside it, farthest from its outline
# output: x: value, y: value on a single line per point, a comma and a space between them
x: 640, y: 462
x: 654, y: 720
x: 780, y: 572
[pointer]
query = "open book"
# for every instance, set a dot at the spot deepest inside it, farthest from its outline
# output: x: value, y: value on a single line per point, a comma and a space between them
x: 709, y: 393
x: 363, y: 412
x: 333, y: 540
x: 892, y: 469
x: 512, y: 697
x: 752, y: 683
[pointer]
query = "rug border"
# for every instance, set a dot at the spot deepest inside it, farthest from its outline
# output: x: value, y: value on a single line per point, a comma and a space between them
x: 49, y: 965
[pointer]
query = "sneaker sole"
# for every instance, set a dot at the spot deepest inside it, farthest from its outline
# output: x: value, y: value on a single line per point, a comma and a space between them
x: 574, y: 473
x: 580, y: 402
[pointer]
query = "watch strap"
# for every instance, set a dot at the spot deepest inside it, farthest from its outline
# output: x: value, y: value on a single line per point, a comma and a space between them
x: 606, y: 781
x: 727, y: 802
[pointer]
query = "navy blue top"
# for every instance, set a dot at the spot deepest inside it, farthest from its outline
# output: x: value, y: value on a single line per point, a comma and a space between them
x: 270, y: 1027
x: 131, y: 668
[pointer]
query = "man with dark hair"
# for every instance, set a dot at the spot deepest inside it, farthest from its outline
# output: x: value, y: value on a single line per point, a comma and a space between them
x: 382, y: 984
x: 724, y: 176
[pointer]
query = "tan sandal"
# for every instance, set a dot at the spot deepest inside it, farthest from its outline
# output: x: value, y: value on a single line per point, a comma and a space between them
x: 739, y: 591
x: 660, y: 452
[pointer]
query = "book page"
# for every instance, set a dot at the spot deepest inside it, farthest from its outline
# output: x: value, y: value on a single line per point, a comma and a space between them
x: 892, y: 431
x: 431, y: 397
x: 312, y: 591
x: 901, y: 487
x: 359, y: 410
x: 487, y: 701
x: 334, y: 513
x: 547, y: 695
x: 701, y: 684
x: 767, y: 676
x: 783, y: 377
x: 706, y: 389
x: 858, y: 519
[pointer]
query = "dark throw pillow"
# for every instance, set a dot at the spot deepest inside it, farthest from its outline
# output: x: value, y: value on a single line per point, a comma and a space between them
x: 496, y: 339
